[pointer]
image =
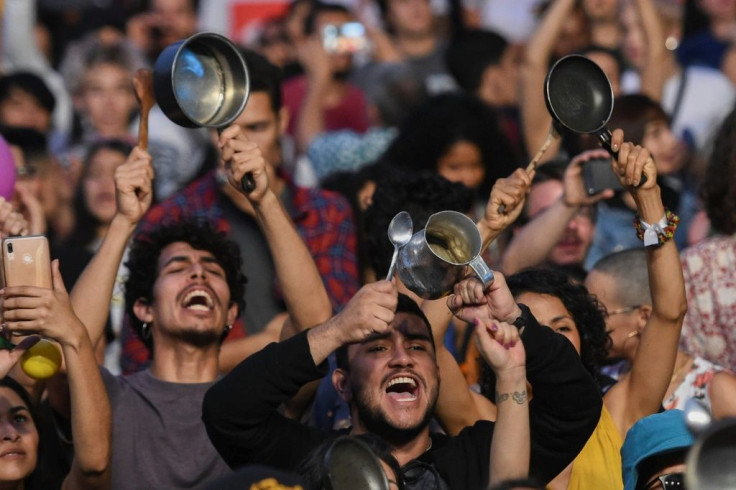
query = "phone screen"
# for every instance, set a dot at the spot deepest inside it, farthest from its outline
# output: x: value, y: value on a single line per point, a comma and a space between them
x: 346, y: 38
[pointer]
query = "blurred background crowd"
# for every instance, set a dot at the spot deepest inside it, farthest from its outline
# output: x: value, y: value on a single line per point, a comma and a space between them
x: 418, y: 105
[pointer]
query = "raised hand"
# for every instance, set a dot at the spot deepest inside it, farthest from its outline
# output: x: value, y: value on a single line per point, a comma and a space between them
x: 12, y: 222
x: 470, y: 302
x: 134, y: 186
x: 240, y: 156
x: 47, y: 312
x: 507, y: 200
x: 370, y: 311
x: 499, y: 344
x: 574, y: 193
x: 633, y: 162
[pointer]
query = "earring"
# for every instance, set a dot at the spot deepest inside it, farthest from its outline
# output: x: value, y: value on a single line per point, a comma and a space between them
x: 145, y: 330
x: 633, y: 334
x: 227, y: 329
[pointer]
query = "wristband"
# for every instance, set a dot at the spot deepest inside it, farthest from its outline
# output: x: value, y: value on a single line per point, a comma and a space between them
x: 657, y: 233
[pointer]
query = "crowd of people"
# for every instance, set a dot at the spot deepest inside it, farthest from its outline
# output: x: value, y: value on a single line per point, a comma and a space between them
x: 213, y: 336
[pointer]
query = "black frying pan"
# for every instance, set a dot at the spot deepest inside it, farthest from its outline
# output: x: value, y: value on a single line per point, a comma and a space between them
x: 350, y: 464
x: 579, y: 97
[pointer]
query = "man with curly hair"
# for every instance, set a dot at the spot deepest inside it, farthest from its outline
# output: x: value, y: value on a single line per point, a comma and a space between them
x: 184, y: 292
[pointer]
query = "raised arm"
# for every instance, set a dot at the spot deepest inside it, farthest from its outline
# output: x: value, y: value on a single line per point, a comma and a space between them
x: 653, y: 72
x: 504, y: 205
x: 642, y: 393
x: 240, y: 411
x: 304, y: 293
x: 533, y: 243
x: 92, y: 292
x: 565, y: 404
x: 48, y: 312
x: 311, y: 120
x: 536, y: 120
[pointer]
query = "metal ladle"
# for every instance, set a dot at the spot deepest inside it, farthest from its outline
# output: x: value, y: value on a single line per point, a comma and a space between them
x: 400, y: 231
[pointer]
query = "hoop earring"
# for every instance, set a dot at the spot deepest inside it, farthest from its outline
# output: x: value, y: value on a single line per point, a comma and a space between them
x: 145, y: 330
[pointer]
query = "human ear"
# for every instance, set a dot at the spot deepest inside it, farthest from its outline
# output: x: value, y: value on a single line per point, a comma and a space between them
x: 142, y: 310
x: 341, y: 382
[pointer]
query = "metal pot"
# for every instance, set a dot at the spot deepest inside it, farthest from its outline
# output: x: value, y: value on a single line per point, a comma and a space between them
x: 202, y: 81
x: 436, y: 257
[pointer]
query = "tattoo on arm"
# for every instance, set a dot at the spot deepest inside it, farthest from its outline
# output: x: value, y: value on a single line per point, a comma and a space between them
x: 518, y: 396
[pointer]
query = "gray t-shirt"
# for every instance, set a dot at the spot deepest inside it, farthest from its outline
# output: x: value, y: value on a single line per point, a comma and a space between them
x: 159, y: 440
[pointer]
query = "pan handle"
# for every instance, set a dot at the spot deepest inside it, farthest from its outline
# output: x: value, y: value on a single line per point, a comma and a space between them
x: 605, y: 137
x: 248, y: 183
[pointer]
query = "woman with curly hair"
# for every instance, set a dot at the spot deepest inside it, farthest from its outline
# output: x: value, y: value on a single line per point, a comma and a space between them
x: 708, y: 266
x: 569, y: 309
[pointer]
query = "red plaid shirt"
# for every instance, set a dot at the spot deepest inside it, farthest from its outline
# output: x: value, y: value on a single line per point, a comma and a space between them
x: 323, y: 219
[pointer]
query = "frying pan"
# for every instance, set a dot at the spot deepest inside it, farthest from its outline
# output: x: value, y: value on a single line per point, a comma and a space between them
x: 579, y: 97
x: 350, y: 464
x: 203, y: 81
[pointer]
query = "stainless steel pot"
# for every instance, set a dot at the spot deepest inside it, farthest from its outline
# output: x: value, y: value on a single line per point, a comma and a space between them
x: 436, y: 257
x: 202, y: 81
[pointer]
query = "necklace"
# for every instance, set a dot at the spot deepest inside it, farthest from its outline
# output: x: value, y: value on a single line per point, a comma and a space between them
x: 679, y: 369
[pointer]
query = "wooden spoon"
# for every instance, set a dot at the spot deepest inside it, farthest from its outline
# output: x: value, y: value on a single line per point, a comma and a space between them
x: 143, y: 83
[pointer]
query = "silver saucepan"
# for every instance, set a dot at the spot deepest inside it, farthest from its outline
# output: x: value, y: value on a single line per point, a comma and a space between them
x: 203, y: 81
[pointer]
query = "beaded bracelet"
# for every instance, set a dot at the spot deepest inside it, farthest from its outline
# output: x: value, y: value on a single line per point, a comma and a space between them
x: 656, y: 234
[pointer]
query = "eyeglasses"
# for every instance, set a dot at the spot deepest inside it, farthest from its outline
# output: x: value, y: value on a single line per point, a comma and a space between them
x: 669, y: 481
x: 625, y: 309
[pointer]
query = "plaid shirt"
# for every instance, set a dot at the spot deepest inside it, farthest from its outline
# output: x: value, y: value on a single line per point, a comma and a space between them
x: 323, y: 219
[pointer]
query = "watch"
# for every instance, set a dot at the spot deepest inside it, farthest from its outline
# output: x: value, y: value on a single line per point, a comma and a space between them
x: 524, y: 319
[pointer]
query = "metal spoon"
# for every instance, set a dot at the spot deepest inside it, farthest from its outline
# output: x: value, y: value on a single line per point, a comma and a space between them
x: 400, y: 231
x: 697, y: 417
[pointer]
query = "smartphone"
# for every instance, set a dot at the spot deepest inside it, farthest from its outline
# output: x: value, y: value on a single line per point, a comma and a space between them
x: 598, y: 176
x: 346, y: 38
x: 26, y: 261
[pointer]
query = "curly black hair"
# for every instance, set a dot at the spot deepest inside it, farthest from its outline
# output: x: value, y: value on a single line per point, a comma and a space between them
x: 587, y: 313
x: 443, y: 120
x: 718, y: 189
x: 146, y: 249
x: 421, y: 195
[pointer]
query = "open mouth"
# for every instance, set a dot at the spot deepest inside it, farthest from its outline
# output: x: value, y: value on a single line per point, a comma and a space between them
x: 402, y: 389
x: 198, y: 300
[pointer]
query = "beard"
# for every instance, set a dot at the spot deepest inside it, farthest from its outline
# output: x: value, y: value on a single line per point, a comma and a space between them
x: 199, y: 338
x: 375, y: 420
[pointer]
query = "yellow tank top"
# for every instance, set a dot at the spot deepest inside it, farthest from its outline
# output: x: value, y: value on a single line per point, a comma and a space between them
x: 598, y: 466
